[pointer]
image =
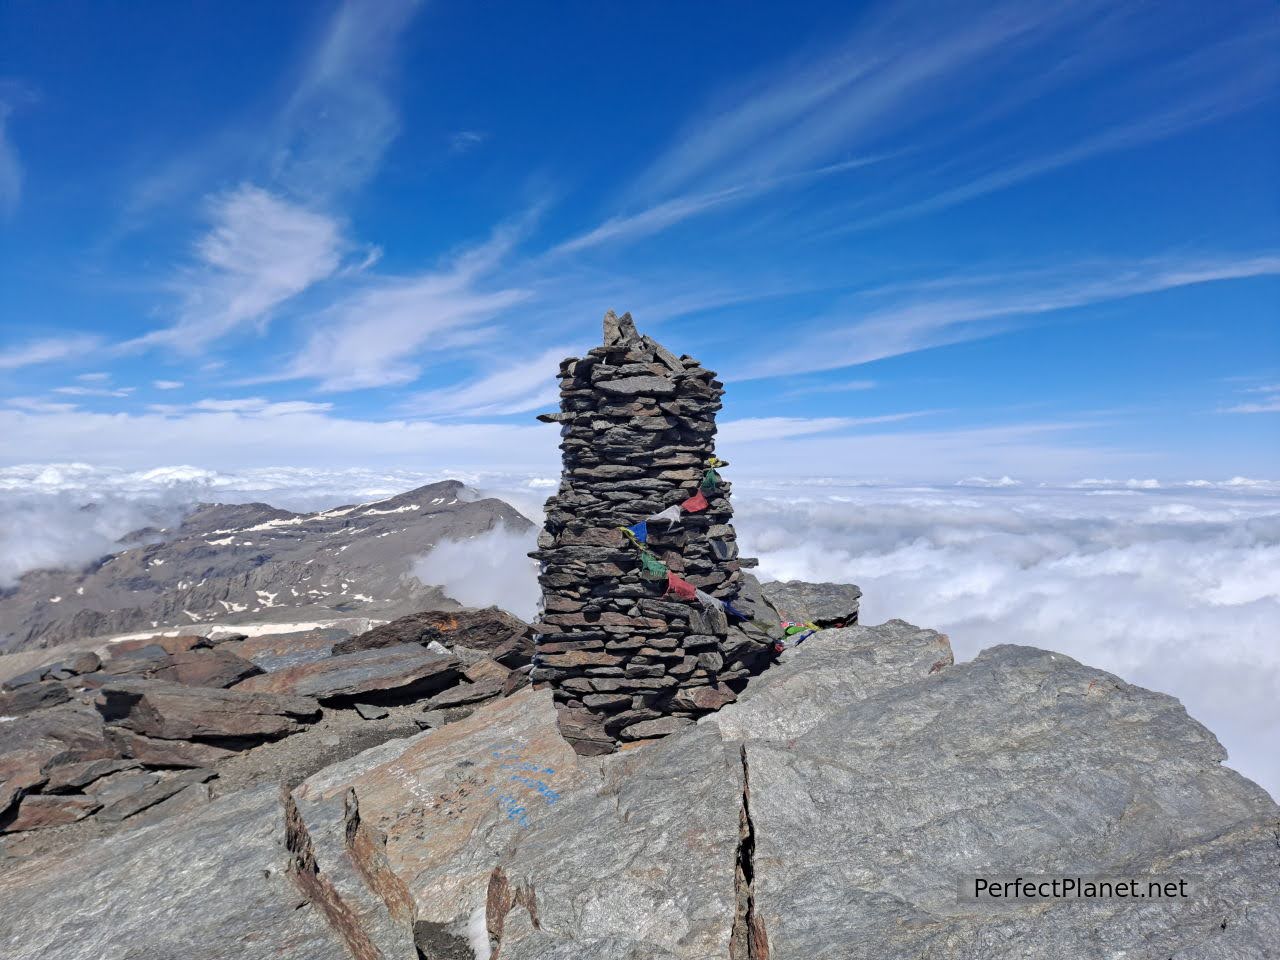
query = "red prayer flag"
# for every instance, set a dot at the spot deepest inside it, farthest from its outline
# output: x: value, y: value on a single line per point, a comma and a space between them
x: 681, y: 588
x: 695, y: 503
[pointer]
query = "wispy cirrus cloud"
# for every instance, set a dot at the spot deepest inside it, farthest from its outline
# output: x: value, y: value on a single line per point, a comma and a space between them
x: 858, y: 333
x: 260, y: 252
x: 758, y: 429
x: 83, y: 391
x: 323, y: 135
x: 339, y: 120
x: 903, y: 85
x: 10, y: 166
x: 48, y: 350
x: 511, y: 388
x: 378, y: 335
x: 1267, y: 401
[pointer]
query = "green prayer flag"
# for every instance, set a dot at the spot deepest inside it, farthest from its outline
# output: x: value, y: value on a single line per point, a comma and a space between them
x: 651, y: 568
x: 710, y: 480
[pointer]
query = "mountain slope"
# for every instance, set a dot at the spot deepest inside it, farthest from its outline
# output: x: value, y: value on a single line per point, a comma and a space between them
x: 242, y: 563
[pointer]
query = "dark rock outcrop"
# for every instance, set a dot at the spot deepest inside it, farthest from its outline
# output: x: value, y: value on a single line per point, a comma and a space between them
x: 171, y: 711
x: 495, y: 632
x: 406, y: 671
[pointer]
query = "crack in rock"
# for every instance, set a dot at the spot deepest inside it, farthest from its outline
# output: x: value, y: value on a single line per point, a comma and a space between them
x: 748, y: 940
x: 317, y: 890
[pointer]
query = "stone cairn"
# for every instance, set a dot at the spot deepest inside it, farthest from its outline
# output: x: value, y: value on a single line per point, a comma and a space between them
x: 626, y: 660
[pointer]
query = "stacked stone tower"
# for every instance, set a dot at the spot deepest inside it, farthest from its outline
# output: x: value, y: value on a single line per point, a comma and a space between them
x: 628, y: 660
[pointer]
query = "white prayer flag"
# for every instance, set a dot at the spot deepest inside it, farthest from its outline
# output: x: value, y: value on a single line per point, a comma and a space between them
x: 671, y: 515
x: 707, y: 600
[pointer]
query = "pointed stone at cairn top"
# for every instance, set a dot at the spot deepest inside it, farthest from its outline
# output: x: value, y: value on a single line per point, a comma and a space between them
x: 619, y: 330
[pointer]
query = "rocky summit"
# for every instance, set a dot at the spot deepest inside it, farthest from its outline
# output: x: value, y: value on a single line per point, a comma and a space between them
x: 675, y: 762
x: 835, y: 810
x: 645, y: 622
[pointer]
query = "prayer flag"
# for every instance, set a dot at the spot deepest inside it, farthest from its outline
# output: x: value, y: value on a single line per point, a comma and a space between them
x: 734, y: 611
x: 651, y: 568
x: 680, y: 587
x: 707, y: 600
x: 722, y: 549
x: 695, y: 503
x: 710, y: 481
x: 714, y: 461
x: 671, y: 515
x: 638, y: 532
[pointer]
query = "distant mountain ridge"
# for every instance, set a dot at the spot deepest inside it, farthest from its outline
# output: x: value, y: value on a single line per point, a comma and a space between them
x: 242, y: 563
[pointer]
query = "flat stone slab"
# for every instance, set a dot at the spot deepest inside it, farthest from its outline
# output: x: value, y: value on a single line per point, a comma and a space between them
x: 633, y: 386
x: 37, y: 811
x: 207, y: 668
x: 487, y: 630
x: 397, y: 672
x: 826, y: 604
x: 173, y: 711
x: 467, y: 693
x: 33, y: 696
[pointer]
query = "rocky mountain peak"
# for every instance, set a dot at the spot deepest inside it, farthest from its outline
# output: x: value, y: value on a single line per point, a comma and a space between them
x: 232, y: 565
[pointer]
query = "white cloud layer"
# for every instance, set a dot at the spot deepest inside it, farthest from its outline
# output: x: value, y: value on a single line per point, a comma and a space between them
x: 1175, y: 590
x: 487, y: 570
x: 1174, y: 586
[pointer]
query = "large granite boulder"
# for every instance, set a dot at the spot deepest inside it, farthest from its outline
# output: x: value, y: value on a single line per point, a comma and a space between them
x: 405, y: 671
x: 213, y: 885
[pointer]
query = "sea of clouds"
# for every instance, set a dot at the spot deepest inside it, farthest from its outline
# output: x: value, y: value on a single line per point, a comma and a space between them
x: 1175, y: 587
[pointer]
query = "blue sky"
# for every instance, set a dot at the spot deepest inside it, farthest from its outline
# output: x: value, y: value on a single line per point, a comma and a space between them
x: 918, y: 240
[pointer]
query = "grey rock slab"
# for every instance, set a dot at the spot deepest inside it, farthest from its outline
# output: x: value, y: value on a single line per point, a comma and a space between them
x: 369, y: 711
x: 173, y: 711
x: 397, y: 672
x: 443, y: 805
x: 213, y: 885
x: 631, y: 386
x: 134, y: 802
x: 642, y: 864
x: 826, y: 604
x: 1022, y: 762
x: 829, y: 671
x: 467, y: 693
